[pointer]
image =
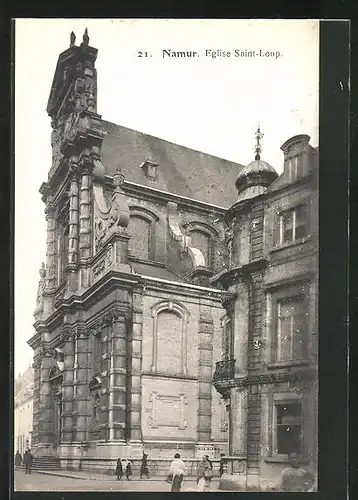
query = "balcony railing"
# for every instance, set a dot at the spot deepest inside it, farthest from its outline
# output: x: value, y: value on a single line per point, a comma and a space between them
x: 225, y: 370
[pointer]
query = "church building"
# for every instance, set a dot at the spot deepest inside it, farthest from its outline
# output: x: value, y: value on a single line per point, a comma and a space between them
x: 176, y: 309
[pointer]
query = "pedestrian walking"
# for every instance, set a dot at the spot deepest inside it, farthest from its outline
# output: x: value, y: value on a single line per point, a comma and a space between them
x: 222, y: 464
x: 295, y: 477
x: 28, y: 458
x: 176, y: 473
x: 204, y: 474
x: 144, y: 466
x: 128, y: 470
x: 18, y: 458
x: 119, y: 469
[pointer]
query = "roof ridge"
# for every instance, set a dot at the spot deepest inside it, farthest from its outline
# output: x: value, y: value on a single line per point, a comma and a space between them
x: 174, y: 143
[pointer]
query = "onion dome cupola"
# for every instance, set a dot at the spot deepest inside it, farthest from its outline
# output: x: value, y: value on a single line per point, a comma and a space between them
x: 254, y: 179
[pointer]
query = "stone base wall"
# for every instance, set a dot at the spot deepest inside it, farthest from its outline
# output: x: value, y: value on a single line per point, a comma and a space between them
x: 156, y: 466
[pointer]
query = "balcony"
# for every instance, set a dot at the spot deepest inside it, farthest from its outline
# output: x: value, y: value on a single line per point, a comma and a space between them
x: 224, y: 373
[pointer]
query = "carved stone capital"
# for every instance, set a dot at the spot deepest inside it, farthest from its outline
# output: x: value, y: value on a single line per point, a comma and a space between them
x: 80, y: 332
x: 66, y: 332
x: 85, y: 163
x: 49, y: 210
x: 73, y: 168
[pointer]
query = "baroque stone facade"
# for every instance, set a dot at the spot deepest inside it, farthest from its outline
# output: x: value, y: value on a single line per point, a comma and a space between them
x: 127, y: 326
x: 161, y: 279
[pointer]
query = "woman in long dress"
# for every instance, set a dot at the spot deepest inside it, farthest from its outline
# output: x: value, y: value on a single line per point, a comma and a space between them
x: 177, y: 470
x: 204, y: 474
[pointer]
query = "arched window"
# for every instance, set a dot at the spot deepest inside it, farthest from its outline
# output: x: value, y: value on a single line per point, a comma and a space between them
x: 202, y: 236
x: 140, y: 242
x: 201, y: 240
x: 169, y: 354
x: 141, y: 228
x: 169, y: 339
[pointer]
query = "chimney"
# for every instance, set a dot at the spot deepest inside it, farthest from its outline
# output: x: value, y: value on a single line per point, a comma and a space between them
x: 296, y: 157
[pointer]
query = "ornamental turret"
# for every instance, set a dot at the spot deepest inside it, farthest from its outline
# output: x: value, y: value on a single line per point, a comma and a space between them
x: 254, y: 179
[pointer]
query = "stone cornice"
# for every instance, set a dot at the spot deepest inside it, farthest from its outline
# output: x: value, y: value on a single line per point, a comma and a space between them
x: 267, y: 378
x: 151, y: 193
x: 289, y: 187
x: 35, y: 340
x: 185, y: 288
x: 227, y: 278
x: 114, y: 279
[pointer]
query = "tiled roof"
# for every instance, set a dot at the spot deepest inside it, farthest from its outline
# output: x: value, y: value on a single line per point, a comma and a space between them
x: 181, y: 170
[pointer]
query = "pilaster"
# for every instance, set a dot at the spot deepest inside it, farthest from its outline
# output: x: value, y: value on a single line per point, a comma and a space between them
x: 36, y: 401
x: 68, y: 390
x: 241, y: 327
x: 81, y: 380
x: 117, y: 417
x: 73, y: 229
x: 45, y: 425
x: 256, y: 301
x: 239, y: 398
x: 50, y: 246
x: 135, y: 369
x: 206, y: 331
x: 85, y: 224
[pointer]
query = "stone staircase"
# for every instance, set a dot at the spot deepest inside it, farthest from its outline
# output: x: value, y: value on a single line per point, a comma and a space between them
x: 45, y: 463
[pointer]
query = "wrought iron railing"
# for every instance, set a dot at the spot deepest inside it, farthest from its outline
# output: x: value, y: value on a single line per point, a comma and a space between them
x: 225, y: 370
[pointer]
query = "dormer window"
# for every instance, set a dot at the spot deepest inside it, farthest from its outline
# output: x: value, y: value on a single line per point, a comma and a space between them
x: 150, y: 169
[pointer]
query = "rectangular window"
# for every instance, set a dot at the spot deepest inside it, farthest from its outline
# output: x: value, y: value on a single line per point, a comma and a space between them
x: 288, y: 427
x: 292, y: 225
x: 291, y: 328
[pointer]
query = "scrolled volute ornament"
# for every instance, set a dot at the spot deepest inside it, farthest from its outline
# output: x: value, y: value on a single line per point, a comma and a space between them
x: 112, y: 219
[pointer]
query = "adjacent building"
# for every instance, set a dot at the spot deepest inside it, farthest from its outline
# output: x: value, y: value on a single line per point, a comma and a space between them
x: 23, y: 410
x: 268, y: 374
x: 165, y: 267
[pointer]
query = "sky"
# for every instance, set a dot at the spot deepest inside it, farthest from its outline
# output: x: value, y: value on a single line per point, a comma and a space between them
x: 208, y: 104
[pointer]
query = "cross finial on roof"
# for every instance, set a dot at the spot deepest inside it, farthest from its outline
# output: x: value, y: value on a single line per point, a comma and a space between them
x: 258, y: 147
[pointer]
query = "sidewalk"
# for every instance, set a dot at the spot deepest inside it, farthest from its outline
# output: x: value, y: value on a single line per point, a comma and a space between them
x: 98, y: 476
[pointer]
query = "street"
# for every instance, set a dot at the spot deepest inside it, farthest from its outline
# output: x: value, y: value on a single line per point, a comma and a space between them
x: 46, y: 482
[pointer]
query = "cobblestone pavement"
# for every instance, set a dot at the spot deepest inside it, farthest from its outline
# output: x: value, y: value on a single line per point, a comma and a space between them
x: 45, y: 482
